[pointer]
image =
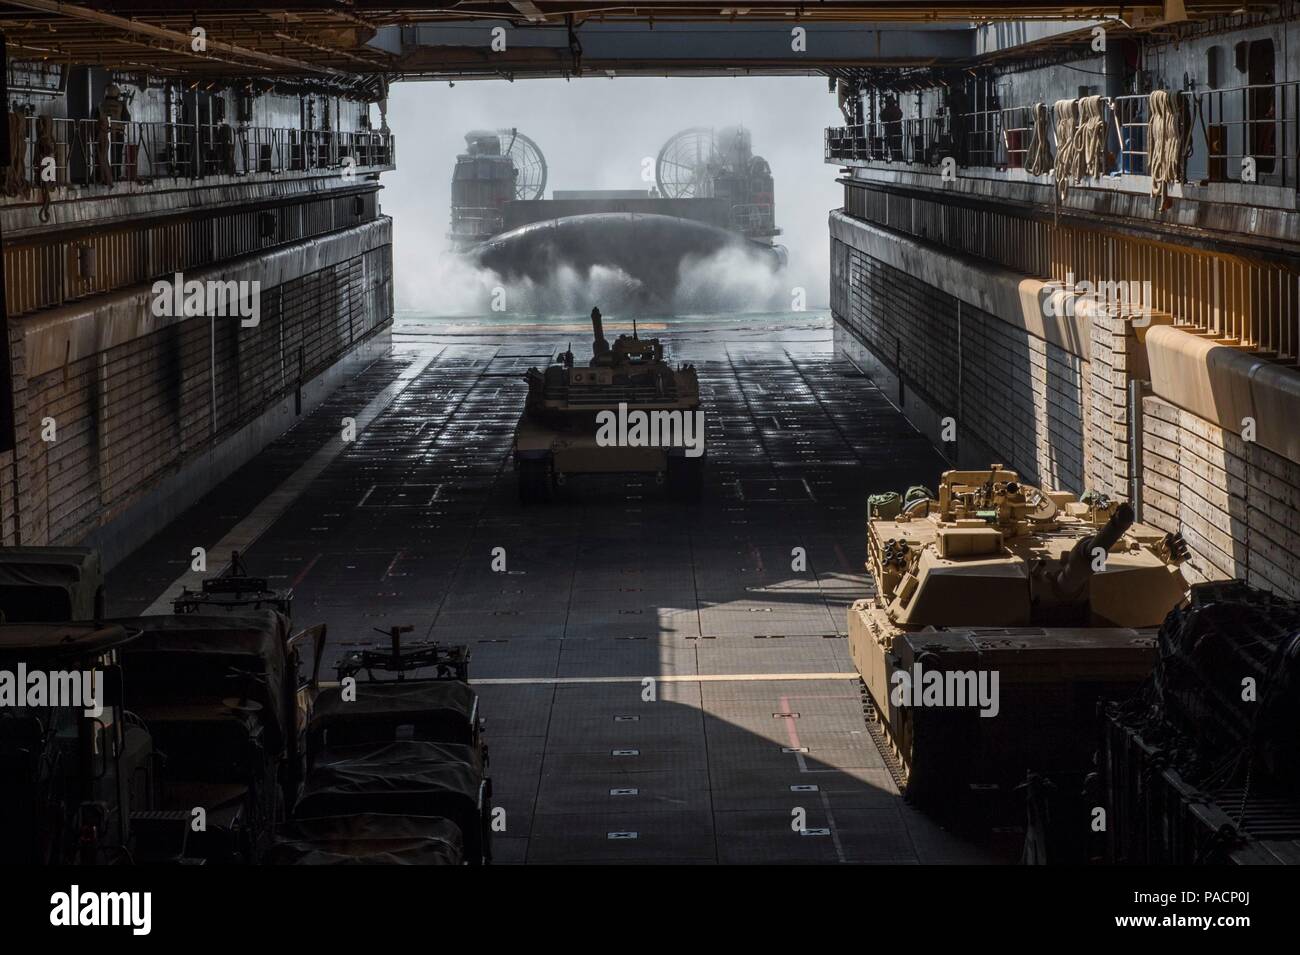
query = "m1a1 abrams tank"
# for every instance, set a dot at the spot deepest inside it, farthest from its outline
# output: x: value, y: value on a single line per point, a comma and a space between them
x: 626, y: 411
x: 1003, y: 614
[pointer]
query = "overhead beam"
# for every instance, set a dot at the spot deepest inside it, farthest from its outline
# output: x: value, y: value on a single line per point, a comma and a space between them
x: 141, y: 28
x: 529, y: 10
x: 341, y: 40
x: 379, y: 12
x: 444, y: 49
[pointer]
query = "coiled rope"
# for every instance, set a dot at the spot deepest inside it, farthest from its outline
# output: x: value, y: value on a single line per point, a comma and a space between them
x: 1170, y: 140
x: 1092, y: 136
x: 15, y: 182
x: 1080, y: 141
x: 1066, y: 158
x: 1038, y: 158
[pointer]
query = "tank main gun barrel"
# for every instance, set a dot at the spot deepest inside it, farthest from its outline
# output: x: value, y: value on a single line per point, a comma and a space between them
x: 1079, y: 566
x: 1119, y: 522
x: 599, y: 345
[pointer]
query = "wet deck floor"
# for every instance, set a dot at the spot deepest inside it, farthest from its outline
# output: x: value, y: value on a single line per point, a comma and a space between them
x: 603, y: 591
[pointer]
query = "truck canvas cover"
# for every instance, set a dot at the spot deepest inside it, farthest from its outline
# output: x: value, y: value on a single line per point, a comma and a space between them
x: 401, y: 774
x: 403, y: 777
x: 368, y: 839
x: 443, y: 711
x: 199, y: 657
x: 49, y: 583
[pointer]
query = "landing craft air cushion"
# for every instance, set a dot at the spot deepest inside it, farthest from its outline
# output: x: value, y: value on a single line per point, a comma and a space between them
x: 712, y: 197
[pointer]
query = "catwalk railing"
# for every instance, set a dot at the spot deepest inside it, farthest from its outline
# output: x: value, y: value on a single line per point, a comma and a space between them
x: 76, y: 152
x: 1245, y: 134
x: 1241, y: 300
x: 474, y: 223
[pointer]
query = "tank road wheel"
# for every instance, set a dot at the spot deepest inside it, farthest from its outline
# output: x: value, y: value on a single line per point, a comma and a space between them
x: 685, y: 477
x: 534, y: 481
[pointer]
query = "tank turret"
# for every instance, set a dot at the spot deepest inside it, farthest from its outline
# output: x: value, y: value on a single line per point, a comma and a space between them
x: 1081, y: 562
x: 565, y: 428
x: 1052, y: 600
x: 991, y: 550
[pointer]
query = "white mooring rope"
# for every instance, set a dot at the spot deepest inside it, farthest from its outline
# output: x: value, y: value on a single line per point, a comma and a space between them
x: 1092, y: 136
x: 1038, y: 158
x: 1168, y: 143
x: 1066, y: 159
x: 1080, y: 141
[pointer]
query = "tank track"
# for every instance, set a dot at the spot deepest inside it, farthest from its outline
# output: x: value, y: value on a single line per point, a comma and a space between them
x: 878, y: 736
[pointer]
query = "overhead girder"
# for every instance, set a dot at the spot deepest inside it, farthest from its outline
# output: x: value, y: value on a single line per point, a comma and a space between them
x: 379, y: 12
x: 444, y: 50
x: 335, y: 39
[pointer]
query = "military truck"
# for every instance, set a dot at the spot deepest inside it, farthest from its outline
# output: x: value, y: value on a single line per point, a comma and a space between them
x: 398, y: 767
x: 234, y: 591
x: 626, y: 411
x: 1003, y: 614
x: 50, y: 584
x: 226, y: 697
x: 208, y: 736
x: 75, y: 765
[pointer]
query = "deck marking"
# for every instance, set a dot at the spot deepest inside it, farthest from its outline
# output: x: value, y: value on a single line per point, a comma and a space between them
x: 803, y: 768
x: 268, y: 510
x: 302, y: 574
x: 793, y: 734
x: 388, y: 571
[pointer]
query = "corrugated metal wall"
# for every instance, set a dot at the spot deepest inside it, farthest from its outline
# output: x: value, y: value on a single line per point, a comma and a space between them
x: 132, y: 413
x: 57, y: 270
x: 1019, y: 395
x: 1238, y: 298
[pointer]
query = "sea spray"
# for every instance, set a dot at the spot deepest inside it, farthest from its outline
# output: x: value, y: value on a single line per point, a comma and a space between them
x: 730, y: 280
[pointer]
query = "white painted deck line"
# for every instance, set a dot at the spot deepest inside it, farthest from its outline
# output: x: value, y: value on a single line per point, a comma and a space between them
x: 269, y: 509
x: 669, y: 678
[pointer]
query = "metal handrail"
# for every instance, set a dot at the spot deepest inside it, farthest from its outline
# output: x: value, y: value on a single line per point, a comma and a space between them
x: 753, y: 217
x: 81, y: 152
x: 1254, y: 305
x: 474, y: 222
x: 1257, y: 122
x: 1129, y: 120
x: 979, y: 139
x: 1016, y: 128
x: 1236, y: 132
